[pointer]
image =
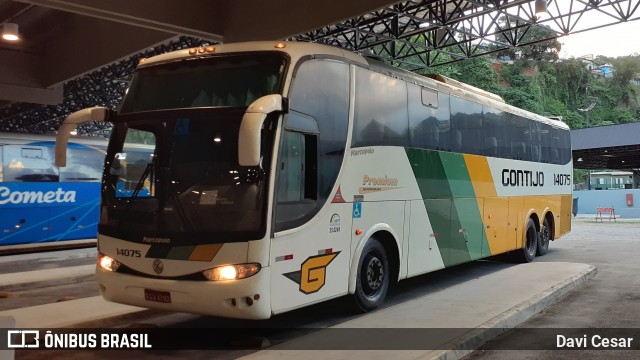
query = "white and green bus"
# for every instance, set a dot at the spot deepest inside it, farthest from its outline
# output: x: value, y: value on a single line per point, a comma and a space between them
x: 279, y: 175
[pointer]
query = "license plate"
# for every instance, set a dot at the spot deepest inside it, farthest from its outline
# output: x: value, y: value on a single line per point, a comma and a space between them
x: 157, y: 296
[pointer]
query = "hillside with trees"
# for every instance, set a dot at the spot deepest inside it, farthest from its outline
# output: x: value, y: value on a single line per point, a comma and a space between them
x: 540, y: 82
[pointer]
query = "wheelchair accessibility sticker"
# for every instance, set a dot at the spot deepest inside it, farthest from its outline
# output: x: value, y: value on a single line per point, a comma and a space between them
x: 357, y: 210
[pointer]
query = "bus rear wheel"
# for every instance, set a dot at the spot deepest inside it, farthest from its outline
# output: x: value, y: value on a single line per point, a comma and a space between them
x: 372, y: 280
x: 528, y: 252
x: 544, y: 238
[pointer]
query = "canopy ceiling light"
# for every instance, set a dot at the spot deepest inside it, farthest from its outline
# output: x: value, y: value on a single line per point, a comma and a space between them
x: 10, y: 32
x: 541, y: 8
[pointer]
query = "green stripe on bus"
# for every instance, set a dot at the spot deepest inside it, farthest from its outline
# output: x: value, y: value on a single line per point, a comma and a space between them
x: 429, y: 173
x: 432, y: 181
x: 158, y: 251
x: 450, y: 201
x: 466, y: 218
x: 180, y: 252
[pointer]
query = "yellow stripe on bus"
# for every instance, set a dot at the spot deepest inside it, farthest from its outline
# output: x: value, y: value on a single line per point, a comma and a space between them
x: 205, y: 252
x: 480, y: 175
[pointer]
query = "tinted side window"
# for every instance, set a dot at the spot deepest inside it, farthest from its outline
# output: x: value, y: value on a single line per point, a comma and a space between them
x: 519, y: 137
x: 428, y: 124
x: 319, y: 95
x: 545, y: 142
x: 496, y: 132
x: 467, y: 134
x: 297, y: 174
x: 321, y: 90
x: 535, y: 145
x: 297, y: 165
x: 380, y: 111
x: 23, y: 163
x: 565, y: 146
x: 82, y: 165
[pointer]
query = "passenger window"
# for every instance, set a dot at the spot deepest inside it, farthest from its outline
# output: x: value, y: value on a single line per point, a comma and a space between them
x: 297, y: 179
x: 83, y: 164
x: 381, y: 110
x: 467, y: 135
x: 320, y: 91
x: 428, y: 126
x: 29, y: 164
x: 494, y: 132
x: 519, y: 137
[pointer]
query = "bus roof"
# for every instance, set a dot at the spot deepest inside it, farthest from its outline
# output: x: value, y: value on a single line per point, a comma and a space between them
x: 298, y: 50
x: 295, y: 50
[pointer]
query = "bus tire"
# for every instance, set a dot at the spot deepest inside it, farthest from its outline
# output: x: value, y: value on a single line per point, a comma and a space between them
x: 372, y: 279
x: 528, y: 251
x: 544, y: 238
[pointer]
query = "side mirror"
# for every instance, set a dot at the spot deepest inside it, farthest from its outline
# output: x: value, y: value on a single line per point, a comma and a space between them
x: 251, y: 126
x: 72, y: 121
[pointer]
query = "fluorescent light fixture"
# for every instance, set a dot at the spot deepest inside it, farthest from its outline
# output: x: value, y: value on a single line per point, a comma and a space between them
x: 424, y: 25
x: 541, y: 8
x: 10, y: 32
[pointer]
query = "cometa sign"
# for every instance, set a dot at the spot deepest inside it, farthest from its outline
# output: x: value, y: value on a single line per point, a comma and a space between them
x: 36, y: 197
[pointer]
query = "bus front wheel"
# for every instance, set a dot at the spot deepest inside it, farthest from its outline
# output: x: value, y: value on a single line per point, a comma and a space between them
x: 528, y: 252
x: 372, y: 281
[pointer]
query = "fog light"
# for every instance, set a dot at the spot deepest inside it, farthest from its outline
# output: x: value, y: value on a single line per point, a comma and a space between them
x: 232, y: 272
x: 107, y: 263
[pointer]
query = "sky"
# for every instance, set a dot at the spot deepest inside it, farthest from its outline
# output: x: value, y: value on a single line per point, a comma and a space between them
x: 613, y: 41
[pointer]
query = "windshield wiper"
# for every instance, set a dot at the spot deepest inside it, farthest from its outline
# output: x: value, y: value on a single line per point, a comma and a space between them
x: 146, y: 173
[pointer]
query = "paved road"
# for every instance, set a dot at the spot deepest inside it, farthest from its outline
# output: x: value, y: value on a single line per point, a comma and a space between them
x: 609, y: 300
x: 15, y: 297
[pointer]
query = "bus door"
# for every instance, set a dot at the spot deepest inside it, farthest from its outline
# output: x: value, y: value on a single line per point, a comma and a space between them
x: 310, y: 247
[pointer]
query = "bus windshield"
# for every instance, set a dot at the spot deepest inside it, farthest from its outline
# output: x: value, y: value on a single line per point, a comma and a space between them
x: 175, y: 175
x: 220, y: 81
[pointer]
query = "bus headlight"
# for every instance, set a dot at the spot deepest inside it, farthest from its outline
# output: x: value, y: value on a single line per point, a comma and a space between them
x: 232, y: 272
x: 108, y: 263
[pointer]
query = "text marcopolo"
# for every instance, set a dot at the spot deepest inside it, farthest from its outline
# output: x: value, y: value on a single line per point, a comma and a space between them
x: 36, y: 197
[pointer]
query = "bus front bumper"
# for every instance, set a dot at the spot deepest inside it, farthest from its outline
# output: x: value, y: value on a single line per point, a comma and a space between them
x: 244, y: 299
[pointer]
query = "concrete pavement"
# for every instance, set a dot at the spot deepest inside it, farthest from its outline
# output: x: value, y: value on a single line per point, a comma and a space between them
x: 27, y: 279
x: 499, y: 300
x: 479, y: 307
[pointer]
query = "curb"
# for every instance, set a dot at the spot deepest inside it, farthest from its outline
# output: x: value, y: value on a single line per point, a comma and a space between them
x: 47, y: 246
x: 513, y: 317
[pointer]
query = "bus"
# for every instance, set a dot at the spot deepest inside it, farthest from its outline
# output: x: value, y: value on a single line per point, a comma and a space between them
x: 40, y: 202
x: 284, y: 174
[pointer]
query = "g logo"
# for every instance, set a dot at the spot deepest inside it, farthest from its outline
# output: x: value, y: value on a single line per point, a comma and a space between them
x: 313, y: 273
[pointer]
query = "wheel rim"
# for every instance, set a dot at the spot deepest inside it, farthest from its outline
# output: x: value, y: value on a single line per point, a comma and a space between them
x: 374, y: 277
